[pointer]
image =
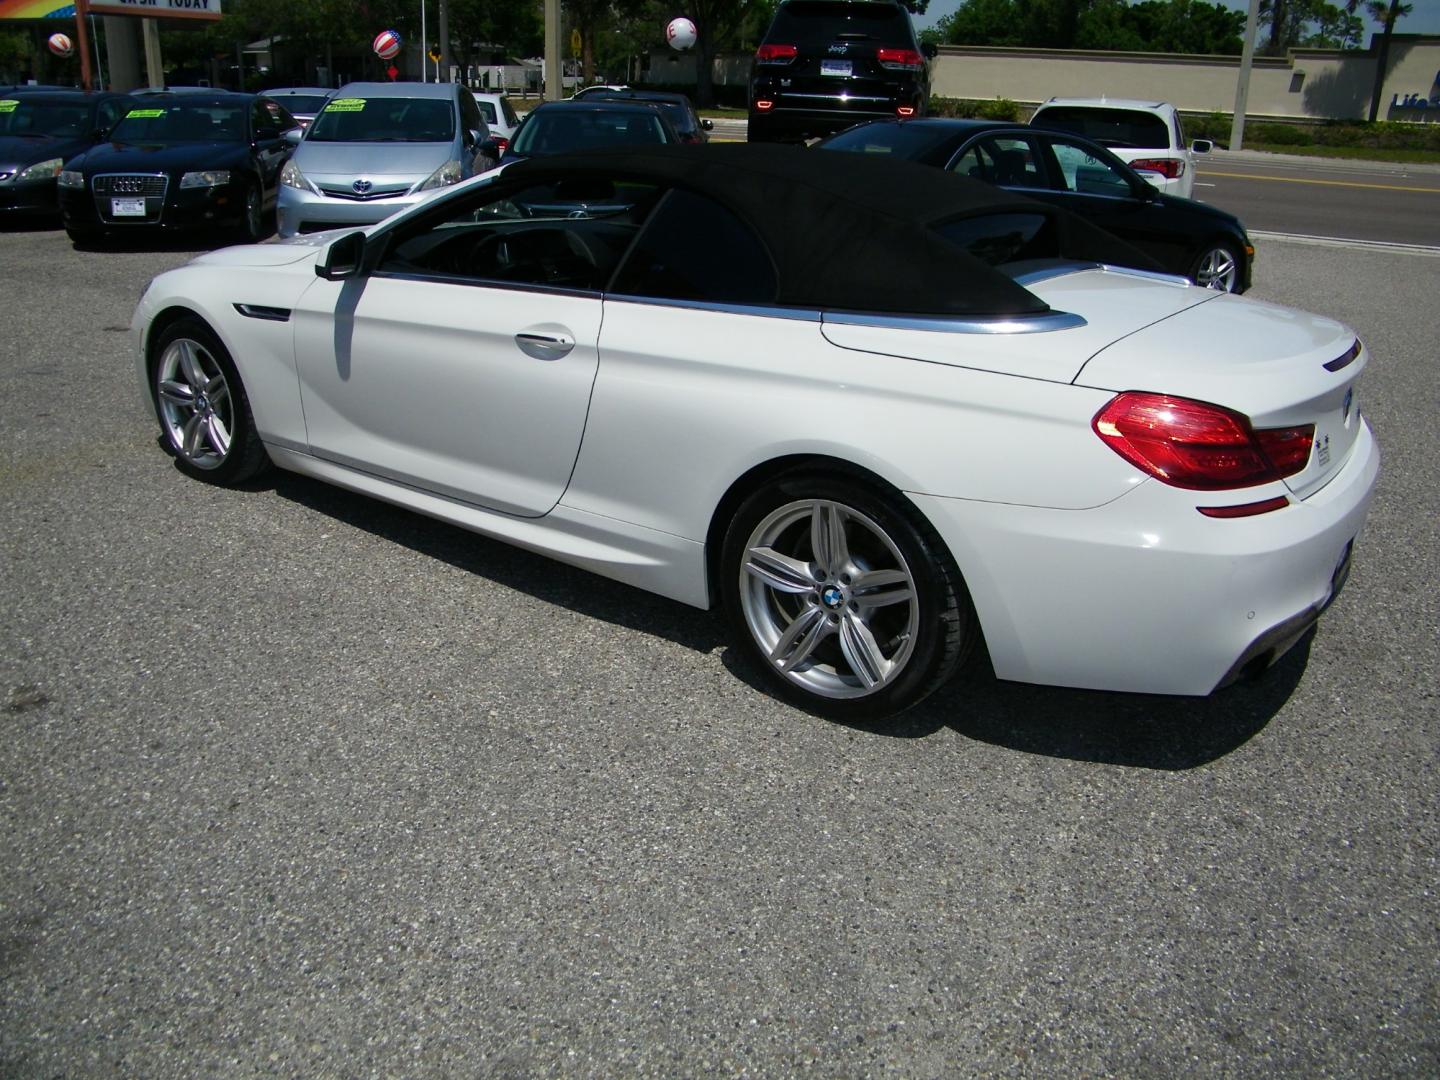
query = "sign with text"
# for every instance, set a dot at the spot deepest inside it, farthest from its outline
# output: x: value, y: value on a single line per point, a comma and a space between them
x: 168, y: 9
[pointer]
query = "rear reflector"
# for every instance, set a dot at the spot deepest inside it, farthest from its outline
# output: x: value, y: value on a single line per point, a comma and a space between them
x: 763, y: 105
x: 905, y: 110
x: 1169, y: 168
x: 776, y: 54
x: 1264, y: 506
x: 1196, y: 445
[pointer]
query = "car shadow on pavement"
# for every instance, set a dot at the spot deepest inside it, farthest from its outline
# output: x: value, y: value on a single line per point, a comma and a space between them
x: 1139, y: 730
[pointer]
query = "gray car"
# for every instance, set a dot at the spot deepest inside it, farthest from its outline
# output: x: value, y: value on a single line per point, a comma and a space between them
x: 377, y: 148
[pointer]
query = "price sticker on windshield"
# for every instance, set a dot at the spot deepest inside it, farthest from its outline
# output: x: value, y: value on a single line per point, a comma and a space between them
x: 144, y: 114
x: 346, y: 104
x: 8, y: 105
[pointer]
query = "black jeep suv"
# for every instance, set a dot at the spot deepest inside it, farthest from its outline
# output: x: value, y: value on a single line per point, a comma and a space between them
x: 827, y: 64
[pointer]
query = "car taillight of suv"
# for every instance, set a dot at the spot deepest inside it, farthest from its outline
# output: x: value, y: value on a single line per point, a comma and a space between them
x: 827, y: 64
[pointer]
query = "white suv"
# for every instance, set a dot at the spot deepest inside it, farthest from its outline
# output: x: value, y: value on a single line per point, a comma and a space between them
x: 1147, y: 135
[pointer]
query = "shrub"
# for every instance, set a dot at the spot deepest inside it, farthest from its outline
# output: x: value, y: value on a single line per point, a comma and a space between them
x: 1281, y: 135
x: 973, y: 108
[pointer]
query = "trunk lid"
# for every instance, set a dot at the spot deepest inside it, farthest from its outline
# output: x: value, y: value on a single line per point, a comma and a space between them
x: 1112, y: 303
x: 1281, y: 368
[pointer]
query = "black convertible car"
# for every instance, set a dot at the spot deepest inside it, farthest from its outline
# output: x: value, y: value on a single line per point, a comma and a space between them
x: 1206, y: 245
x: 40, y: 132
x: 181, y: 161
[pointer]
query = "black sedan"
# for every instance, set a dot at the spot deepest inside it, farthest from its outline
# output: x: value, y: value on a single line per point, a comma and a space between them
x: 181, y: 161
x: 1206, y: 245
x: 40, y: 132
x: 562, y: 127
x: 676, y: 107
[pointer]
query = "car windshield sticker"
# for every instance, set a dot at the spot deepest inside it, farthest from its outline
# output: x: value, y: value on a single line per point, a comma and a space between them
x: 8, y: 105
x: 346, y: 104
x: 144, y: 114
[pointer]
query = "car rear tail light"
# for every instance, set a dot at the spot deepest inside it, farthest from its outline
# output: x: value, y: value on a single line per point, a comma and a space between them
x: 900, y: 59
x: 1196, y: 445
x: 905, y: 110
x: 501, y: 144
x: 1170, y: 168
x: 762, y: 105
x: 776, y: 54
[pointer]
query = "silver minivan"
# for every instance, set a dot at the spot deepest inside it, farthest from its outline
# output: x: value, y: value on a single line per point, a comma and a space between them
x: 377, y: 148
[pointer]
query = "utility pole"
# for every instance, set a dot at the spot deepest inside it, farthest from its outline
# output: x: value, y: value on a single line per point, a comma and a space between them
x: 554, y: 83
x: 1242, y: 87
x: 444, y: 74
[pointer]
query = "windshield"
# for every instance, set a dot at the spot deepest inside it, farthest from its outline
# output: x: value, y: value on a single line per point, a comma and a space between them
x: 562, y: 130
x: 172, y: 123
x: 677, y: 112
x: 902, y: 140
x: 388, y: 119
x: 52, y: 119
x: 819, y: 22
x: 1108, y: 127
x: 300, y: 103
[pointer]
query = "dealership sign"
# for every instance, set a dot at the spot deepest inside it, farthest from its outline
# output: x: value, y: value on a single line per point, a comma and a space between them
x: 60, y: 9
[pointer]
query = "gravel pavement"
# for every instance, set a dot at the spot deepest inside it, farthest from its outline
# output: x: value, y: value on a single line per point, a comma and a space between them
x: 293, y: 783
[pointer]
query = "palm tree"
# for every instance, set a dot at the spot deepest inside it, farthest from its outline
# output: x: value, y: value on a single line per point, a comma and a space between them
x: 1387, y: 15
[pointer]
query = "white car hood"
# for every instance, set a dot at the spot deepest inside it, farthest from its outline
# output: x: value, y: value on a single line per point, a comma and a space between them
x: 282, y: 253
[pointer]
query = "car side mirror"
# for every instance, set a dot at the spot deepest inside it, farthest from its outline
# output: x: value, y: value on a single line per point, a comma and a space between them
x: 343, y: 258
x: 707, y: 123
x: 490, y: 148
x: 99, y: 135
x: 473, y: 137
x: 293, y: 135
x: 929, y: 50
x: 1202, y: 146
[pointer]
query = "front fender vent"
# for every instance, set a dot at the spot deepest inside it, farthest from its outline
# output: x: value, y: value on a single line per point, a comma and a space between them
x: 260, y: 311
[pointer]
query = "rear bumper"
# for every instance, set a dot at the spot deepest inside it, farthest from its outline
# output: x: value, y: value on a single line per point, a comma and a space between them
x: 1145, y: 594
x: 795, y: 115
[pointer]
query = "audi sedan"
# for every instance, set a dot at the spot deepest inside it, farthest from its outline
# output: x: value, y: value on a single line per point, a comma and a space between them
x: 878, y: 415
x: 198, y: 160
x: 1197, y: 241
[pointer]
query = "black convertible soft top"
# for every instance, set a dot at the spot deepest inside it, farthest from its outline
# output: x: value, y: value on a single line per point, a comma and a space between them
x: 852, y: 232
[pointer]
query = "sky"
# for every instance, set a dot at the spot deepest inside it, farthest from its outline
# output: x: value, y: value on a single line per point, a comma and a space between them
x: 1425, y: 19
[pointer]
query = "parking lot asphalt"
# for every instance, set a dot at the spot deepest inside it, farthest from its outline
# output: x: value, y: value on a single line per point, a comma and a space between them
x: 293, y: 783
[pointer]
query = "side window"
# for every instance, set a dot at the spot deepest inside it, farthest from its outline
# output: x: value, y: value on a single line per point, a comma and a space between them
x: 731, y: 266
x: 1179, y: 133
x: 1005, y: 161
x: 470, y: 112
x: 565, y: 235
x: 266, y: 126
x: 510, y: 118
x: 109, y: 114
x: 1086, y: 174
x: 997, y: 239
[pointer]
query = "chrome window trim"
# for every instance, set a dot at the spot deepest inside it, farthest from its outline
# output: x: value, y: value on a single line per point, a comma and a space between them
x: 487, y: 283
x: 1048, y: 273
x: 1148, y: 275
x: 761, y: 311
x: 999, y: 324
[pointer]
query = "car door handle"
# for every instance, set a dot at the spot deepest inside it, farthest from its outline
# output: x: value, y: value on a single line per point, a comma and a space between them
x: 544, y: 346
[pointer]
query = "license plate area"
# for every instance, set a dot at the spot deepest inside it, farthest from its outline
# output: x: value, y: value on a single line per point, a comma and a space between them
x: 127, y: 207
x: 839, y: 68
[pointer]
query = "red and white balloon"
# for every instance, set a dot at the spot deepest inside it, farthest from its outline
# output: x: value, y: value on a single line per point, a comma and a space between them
x: 680, y: 34
x: 387, y: 44
x: 60, y: 45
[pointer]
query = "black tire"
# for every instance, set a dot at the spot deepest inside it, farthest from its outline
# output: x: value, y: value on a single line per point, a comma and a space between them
x: 83, y: 239
x: 923, y: 636
x: 1215, y: 259
x: 252, y: 218
x: 204, y: 412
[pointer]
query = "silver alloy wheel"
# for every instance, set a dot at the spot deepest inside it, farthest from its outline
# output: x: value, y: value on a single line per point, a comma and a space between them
x: 829, y: 599
x: 1217, y: 269
x: 195, y: 404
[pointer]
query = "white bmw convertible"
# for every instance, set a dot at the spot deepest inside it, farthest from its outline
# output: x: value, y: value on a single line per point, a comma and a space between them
x: 877, y: 413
